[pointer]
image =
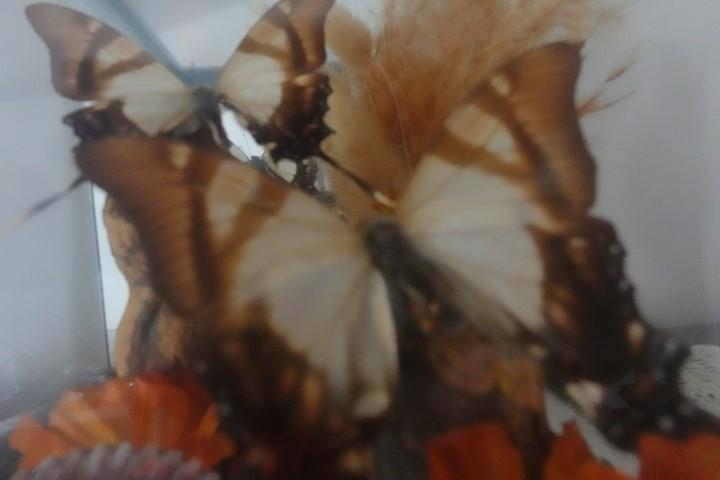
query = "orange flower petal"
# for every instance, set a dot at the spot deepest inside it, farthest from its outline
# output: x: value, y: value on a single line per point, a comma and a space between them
x: 571, y: 459
x: 147, y: 411
x: 697, y: 458
x: 36, y: 442
x: 87, y: 419
x: 166, y: 429
x: 479, y: 452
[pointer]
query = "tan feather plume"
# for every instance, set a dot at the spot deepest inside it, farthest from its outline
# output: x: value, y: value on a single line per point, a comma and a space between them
x: 393, y: 91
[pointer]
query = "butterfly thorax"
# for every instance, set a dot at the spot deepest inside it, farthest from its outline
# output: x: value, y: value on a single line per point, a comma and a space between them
x: 389, y: 248
x: 416, y: 286
x: 205, y: 100
x: 206, y: 115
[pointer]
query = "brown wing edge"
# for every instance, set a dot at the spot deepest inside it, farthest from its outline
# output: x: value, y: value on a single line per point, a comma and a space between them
x: 597, y: 340
x: 296, y: 128
x: 73, y: 72
x: 533, y: 99
x: 545, y: 81
x: 163, y: 204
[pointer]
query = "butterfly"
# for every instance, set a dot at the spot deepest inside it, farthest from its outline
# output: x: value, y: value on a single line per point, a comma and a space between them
x: 271, y: 82
x: 493, y: 233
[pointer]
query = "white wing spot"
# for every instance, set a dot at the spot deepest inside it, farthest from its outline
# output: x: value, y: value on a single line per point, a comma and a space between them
x: 636, y: 334
x: 578, y: 243
x: 479, y: 129
x: 226, y: 195
x: 304, y: 80
x: 587, y: 395
x: 501, y: 85
x: 287, y: 169
x: 371, y: 404
x: 180, y: 155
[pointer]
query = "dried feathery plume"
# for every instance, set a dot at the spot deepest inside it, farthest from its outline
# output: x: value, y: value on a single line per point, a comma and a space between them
x: 392, y: 91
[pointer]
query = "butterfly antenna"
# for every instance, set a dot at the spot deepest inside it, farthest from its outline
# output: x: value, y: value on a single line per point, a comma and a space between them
x: 595, y: 103
x: 44, y: 204
x: 376, y: 195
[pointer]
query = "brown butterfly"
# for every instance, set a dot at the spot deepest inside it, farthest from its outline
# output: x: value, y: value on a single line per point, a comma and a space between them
x: 494, y: 231
x: 271, y: 81
x: 225, y: 243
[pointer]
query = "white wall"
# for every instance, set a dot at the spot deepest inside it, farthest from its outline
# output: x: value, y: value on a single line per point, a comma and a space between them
x: 51, y: 308
x: 658, y: 154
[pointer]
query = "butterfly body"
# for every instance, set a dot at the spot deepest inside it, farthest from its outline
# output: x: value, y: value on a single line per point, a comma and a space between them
x: 206, y: 104
x: 207, y: 112
x: 424, y: 297
x: 450, y: 374
x: 389, y: 248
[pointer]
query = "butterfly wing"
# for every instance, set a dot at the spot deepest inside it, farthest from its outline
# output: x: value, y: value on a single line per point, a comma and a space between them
x: 90, y: 61
x: 257, y: 265
x: 502, y: 202
x: 273, y: 83
x: 508, y: 160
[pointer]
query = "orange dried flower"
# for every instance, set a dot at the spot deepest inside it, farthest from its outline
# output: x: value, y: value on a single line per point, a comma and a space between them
x: 484, y: 452
x: 571, y: 459
x: 146, y: 411
x: 478, y: 452
x: 697, y: 458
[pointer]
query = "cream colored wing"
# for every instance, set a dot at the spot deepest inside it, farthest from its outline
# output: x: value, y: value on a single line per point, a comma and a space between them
x: 502, y: 203
x: 273, y: 82
x: 247, y: 257
x: 510, y: 161
x: 90, y: 61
